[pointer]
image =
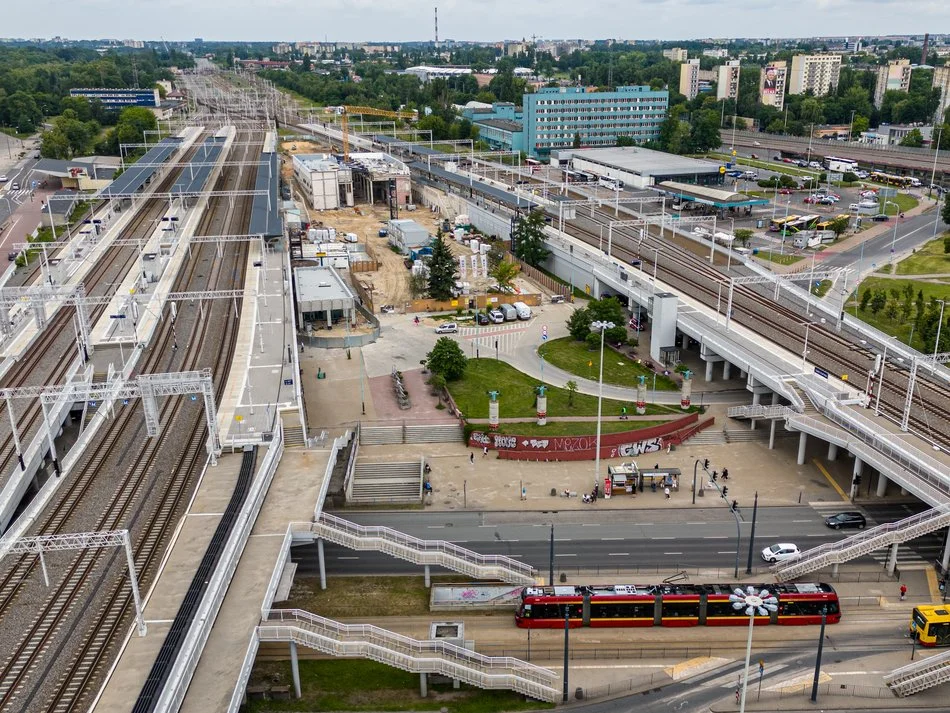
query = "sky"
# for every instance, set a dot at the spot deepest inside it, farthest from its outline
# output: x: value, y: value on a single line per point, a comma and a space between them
x: 478, y: 20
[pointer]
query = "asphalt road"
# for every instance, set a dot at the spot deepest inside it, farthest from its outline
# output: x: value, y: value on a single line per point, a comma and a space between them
x: 10, y: 199
x: 609, y: 540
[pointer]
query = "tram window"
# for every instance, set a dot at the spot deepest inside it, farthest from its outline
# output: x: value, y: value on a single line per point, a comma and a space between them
x: 680, y: 609
x: 723, y: 609
x: 624, y: 610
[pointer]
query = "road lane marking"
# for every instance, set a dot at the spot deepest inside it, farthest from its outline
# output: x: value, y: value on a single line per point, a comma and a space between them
x: 695, y: 523
x: 672, y: 553
x: 612, y: 539
x: 661, y: 538
x: 824, y: 472
x: 716, y: 537
x: 347, y: 558
x: 618, y: 554
x: 726, y: 552
x: 802, y: 521
x: 566, y: 554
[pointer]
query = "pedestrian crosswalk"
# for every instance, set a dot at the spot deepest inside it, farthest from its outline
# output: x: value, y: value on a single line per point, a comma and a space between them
x: 506, y: 337
x: 922, y: 550
x: 18, y: 196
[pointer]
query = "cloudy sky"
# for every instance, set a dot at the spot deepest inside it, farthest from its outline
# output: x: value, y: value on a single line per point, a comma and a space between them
x: 371, y: 20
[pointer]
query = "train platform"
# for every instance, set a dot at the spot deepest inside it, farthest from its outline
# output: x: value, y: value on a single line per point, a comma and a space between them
x: 263, y: 380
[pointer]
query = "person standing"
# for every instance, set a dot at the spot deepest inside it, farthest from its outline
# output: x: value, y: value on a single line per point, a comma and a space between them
x: 666, y: 491
x: 471, y: 458
x: 484, y: 451
x: 903, y: 592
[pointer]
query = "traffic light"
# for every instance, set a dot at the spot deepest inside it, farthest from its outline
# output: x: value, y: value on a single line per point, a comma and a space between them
x: 715, y: 475
x: 706, y: 464
x: 857, y: 480
x: 725, y: 490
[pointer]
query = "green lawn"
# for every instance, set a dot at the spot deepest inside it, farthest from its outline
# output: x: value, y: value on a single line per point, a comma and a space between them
x: 10, y: 131
x: 573, y: 356
x: 576, y: 428
x: 928, y: 260
x: 778, y: 258
x: 357, y: 597
x: 358, y: 685
x: 517, y: 395
x: 904, y: 204
x: 896, y: 327
x: 822, y: 289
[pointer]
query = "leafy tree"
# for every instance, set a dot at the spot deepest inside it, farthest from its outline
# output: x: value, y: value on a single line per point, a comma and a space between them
x: 54, y: 145
x: 946, y: 245
x: 914, y: 139
x: 133, y: 122
x: 704, y: 136
x: 866, y: 299
x: 528, y: 239
x: 21, y: 111
x: 447, y: 359
x: 577, y: 141
x: 743, y: 235
x: 839, y: 226
x: 878, y: 301
x: 849, y: 177
x: 674, y: 136
x: 861, y: 124
x: 945, y: 211
x: 442, y: 270
x: 606, y: 309
x: 571, y: 387
x: 578, y: 324
x: 505, y: 272
x: 625, y: 141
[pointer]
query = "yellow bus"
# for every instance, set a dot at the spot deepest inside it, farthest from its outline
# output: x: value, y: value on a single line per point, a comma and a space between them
x: 826, y: 225
x: 931, y: 625
x: 776, y: 224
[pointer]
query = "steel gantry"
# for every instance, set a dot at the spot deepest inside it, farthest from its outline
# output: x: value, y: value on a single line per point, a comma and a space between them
x: 778, y: 280
x: 35, y: 298
x: 83, y: 541
x: 933, y: 360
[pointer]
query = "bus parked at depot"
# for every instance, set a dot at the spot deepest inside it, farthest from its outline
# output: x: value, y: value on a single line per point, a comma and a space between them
x: 776, y: 224
x: 931, y: 625
x: 802, y: 222
x: 629, y: 605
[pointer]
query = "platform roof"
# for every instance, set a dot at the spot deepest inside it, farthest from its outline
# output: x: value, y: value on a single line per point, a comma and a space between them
x: 191, y: 180
x: 709, y: 196
x: 645, y: 162
x: 136, y: 175
x: 265, y: 212
x: 61, y: 169
x: 322, y: 288
x: 497, y: 194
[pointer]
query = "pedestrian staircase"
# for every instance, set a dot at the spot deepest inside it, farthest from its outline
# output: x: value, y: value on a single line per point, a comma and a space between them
x: 708, y: 437
x: 863, y: 543
x: 399, y: 433
x: 293, y: 437
x: 413, y: 655
x: 386, y: 482
x: 425, y: 552
x: 920, y: 675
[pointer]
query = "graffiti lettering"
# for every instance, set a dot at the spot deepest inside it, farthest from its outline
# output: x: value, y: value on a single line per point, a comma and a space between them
x: 534, y: 443
x: 636, y: 449
x: 506, y: 442
x: 480, y: 438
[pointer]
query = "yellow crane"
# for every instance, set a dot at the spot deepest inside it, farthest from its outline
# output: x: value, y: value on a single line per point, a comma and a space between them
x: 345, y: 111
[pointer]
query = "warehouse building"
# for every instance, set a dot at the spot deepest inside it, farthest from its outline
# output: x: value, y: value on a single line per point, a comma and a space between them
x: 325, y: 183
x: 408, y: 235
x: 641, y: 168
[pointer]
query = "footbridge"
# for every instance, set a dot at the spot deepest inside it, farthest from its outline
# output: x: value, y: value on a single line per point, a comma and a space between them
x: 920, y: 675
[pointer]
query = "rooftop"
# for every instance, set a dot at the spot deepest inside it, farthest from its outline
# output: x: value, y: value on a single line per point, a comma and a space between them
x: 379, y: 163
x: 710, y: 196
x: 321, y: 284
x: 645, y: 162
x: 317, y: 161
x: 503, y: 124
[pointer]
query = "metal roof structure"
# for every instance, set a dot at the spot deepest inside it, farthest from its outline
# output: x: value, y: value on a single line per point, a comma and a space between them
x: 265, y: 211
x: 497, y: 194
x: 136, y: 176
x: 709, y: 196
x: 644, y: 162
x: 63, y: 169
x: 322, y: 288
x: 193, y: 177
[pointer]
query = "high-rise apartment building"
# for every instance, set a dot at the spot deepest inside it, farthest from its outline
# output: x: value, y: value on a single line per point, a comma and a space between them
x: 942, y: 82
x: 727, y: 80
x: 772, y: 84
x: 554, y: 116
x: 689, y: 78
x: 895, y: 77
x: 817, y: 73
x: 675, y: 54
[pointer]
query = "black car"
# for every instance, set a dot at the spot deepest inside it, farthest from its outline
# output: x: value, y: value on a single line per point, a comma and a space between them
x: 846, y: 519
x: 482, y: 318
x: 880, y: 218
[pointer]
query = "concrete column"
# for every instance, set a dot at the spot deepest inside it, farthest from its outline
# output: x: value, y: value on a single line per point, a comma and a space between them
x: 423, y: 685
x: 756, y: 400
x: 709, y: 371
x: 903, y: 491
x: 428, y: 577
x: 945, y: 560
x: 322, y: 562
x: 772, y: 434
x: 881, y: 485
x: 858, y: 467
x: 832, y: 451
x: 742, y: 373
x: 295, y: 668
x: 802, y: 444
x: 892, y: 558
x: 329, y: 318
x: 684, y: 342
x: 726, y: 370
x: 834, y: 570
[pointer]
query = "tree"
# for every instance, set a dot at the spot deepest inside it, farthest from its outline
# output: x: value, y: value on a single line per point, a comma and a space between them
x: 946, y: 245
x: 849, y: 177
x: 878, y: 301
x: 577, y: 141
x: 578, y: 324
x: 945, y: 211
x: 704, y: 136
x: 743, y: 235
x: 528, y: 239
x: 571, y: 387
x: 914, y: 139
x: 447, y: 359
x: 625, y: 141
x: 442, y: 270
x: 133, y: 122
x: 504, y: 273
x: 606, y: 309
x: 839, y: 226
x: 860, y: 125
x: 866, y: 299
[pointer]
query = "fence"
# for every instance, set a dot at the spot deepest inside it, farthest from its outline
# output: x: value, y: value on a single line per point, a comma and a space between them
x: 365, y: 295
x: 473, y: 301
x: 541, y: 278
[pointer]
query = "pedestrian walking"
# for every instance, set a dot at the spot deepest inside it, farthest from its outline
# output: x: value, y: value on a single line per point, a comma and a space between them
x: 903, y: 592
x: 485, y: 452
x: 737, y: 696
x: 471, y: 458
x: 666, y: 492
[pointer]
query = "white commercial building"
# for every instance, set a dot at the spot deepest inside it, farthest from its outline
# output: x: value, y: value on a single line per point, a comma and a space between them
x: 426, y: 73
x: 727, y: 82
x: 772, y: 80
x: 324, y: 182
x: 815, y: 72
x: 895, y: 77
x: 942, y: 82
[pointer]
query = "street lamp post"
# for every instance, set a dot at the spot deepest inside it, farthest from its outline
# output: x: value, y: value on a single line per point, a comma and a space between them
x: 897, y: 220
x: 761, y: 603
x: 851, y: 125
x: 880, y: 383
x: 602, y: 327
x: 939, y: 325
x: 933, y: 173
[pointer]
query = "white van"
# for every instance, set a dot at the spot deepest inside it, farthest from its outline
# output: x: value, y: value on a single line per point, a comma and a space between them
x: 511, y: 314
x: 523, y: 310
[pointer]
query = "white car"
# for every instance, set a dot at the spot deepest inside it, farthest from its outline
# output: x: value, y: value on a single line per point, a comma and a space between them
x: 780, y: 552
x: 496, y: 316
x: 3, y: 178
x: 447, y: 328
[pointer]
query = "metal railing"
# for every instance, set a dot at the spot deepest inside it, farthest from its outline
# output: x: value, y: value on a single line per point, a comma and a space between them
x: 920, y: 675
x: 415, y: 655
x: 418, y: 551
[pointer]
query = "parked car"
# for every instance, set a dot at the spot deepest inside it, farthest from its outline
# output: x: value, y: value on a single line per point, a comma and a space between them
x: 810, y: 199
x: 880, y: 218
x: 3, y: 178
x: 785, y: 192
x: 751, y: 175
x: 496, y: 316
x: 868, y: 194
x: 780, y: 552
x: 847, y: 519
x: 387, y: 309
x: 777, y: 158
x: 15, y: 186
x: 557, y: 299
x: 788, y: 160
x: 482, y: 319
x: 447, y: 328
x: 815, y: 165
x: 734, y: 174
x: 801, y: 164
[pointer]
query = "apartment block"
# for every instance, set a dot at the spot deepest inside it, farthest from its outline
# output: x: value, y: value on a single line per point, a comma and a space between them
x: 553, y: 116
x: 772, y: 79
x: 817, y: 73
x: 675, y: 54
x: 895, y: 77
x: 727, y: 80
x: 942, y: 82
x: 694, y: 80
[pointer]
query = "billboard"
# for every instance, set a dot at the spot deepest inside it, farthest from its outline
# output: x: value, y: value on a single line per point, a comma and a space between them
x: 770, y: 81
x: 772, y: 84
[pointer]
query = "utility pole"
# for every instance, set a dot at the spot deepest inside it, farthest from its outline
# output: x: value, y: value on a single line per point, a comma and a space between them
x: 755, y: 508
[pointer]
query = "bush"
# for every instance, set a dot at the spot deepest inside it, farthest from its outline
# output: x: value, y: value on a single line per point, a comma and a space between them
x: 593, y: 341
x: 849, y: 177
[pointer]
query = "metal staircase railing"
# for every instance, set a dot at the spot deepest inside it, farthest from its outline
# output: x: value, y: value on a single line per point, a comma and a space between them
x: 920, y: 675
x: 759, y: 412
x: 414, y: 655
x: 864, y: 543
x: 426, y: 552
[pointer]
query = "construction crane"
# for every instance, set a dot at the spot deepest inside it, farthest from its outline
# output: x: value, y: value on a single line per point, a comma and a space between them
x: 345, y: 111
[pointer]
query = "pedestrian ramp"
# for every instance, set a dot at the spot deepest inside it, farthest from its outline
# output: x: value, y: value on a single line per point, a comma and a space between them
x: 423, y: 552
x: 920, y: 675
x: 863, y: 543
x: 413, y: 655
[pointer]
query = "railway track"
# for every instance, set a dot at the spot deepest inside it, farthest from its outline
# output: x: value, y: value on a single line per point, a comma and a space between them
x: 146, y: 505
